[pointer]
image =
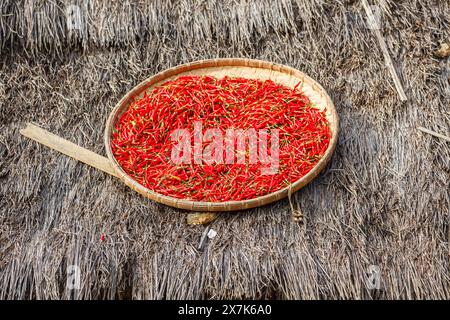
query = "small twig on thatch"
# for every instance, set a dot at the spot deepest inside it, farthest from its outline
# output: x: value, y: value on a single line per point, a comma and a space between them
x: 203, y: 238
x: 208, y: 233
x: 434, y: 133
x: 387, y: 58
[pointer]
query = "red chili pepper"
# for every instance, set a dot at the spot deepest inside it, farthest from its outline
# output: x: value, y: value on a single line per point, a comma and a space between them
x: 141, y: 140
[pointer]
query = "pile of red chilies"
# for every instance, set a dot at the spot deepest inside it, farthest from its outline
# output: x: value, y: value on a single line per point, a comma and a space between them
x: 142, y: 142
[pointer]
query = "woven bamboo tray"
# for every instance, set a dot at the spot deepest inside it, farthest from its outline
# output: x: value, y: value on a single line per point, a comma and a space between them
x: 219, y: 68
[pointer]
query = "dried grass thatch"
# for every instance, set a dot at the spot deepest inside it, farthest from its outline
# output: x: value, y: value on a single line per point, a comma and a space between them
x: 383, y: 200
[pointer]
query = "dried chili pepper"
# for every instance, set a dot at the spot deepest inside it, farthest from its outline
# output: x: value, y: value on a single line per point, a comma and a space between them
x: 141, y: 141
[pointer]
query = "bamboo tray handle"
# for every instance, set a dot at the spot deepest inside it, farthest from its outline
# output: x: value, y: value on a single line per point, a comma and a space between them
x: 68, y: 148
x: 94, y: 160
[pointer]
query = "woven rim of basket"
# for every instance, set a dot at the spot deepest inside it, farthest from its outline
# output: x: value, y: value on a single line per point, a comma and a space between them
x: 123, y: 104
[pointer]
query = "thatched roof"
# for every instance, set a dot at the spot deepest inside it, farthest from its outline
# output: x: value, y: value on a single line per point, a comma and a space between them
x: 383, y: 200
